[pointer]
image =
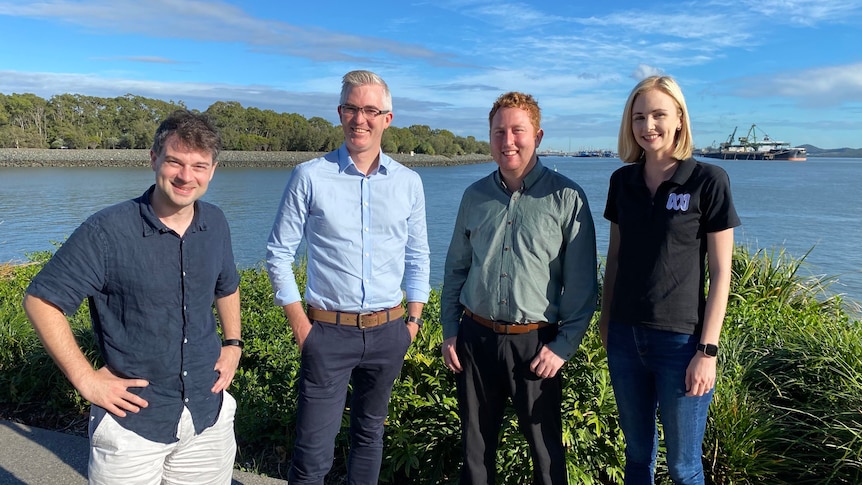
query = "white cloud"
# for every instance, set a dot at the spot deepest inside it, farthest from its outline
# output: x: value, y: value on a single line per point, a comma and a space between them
x: 143, y: 59
x: 806, y: 12
x: 644, y: 71
x: 217, y: 21
x: 824, y: 86
x: 580, y: 66
x: 507, y: 15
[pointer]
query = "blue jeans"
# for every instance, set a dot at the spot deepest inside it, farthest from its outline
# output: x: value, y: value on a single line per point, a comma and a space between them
x: 334, y: 356
x: 647, y: 369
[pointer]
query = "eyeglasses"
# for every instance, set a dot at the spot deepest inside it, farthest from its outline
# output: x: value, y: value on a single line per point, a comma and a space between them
x: 350, y: 111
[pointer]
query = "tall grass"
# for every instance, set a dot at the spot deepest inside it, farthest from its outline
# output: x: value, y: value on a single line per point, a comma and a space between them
x: 787, y: 408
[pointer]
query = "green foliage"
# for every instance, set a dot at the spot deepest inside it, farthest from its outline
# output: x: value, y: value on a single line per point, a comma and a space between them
x: 787, y: 408
x: 788, y: 405
x: 264, y: 383
x: 77, y: 121
x: 422, y: 441
x: 27, y: 373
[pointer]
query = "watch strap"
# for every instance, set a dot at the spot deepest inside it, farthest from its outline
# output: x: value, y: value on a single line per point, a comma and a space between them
x: 411, y: 319
x: 233, y: 342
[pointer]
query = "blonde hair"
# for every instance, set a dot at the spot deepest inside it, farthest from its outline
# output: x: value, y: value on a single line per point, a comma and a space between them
x: 627, y: 145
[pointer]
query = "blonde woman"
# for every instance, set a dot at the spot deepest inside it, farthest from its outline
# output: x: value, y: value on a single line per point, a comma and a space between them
x: 672, y: 218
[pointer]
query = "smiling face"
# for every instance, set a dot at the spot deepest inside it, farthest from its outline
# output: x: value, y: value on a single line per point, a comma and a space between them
x: 182, y: 176
x: 655, y: 122
x: 362, y: 134
x: 514, y: 141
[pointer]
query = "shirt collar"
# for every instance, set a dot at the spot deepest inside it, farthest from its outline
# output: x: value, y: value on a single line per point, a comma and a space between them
x: 683, y: 171
x: 345, y: 163
x: 151, y: 223
x: 680, y: 176
x: 532, y: 176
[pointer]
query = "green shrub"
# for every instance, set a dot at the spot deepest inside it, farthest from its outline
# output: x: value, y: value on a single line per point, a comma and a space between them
x: 28, y: 376
x: 264, y: 382
x: 787, y: 407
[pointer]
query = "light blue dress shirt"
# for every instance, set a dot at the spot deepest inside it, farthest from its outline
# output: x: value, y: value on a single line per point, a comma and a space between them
x: 364, y: 235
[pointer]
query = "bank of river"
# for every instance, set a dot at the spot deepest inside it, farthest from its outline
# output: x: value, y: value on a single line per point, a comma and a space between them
x: 36, y: 157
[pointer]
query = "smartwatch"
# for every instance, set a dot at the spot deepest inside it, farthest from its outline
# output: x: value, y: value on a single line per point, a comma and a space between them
x: 708, y: 349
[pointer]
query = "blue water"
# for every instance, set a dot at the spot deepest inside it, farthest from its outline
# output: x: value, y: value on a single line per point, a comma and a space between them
x: 799, y: 206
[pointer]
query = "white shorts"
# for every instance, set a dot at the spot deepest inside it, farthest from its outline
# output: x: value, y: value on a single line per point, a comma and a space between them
x: 120, y: 456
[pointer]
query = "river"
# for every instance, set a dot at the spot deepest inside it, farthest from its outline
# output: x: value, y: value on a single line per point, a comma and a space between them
x: 798, y: 206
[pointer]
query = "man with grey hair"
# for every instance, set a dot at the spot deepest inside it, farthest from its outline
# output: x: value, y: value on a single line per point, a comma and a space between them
x: 362, y: 215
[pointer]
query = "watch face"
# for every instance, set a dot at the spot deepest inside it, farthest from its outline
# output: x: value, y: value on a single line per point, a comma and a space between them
x: 708, y: 349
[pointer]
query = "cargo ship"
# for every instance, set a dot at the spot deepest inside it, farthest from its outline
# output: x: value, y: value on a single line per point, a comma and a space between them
x: 750, y: 148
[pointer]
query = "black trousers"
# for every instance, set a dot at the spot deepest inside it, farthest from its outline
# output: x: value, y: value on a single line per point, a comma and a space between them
x: 496, y: 368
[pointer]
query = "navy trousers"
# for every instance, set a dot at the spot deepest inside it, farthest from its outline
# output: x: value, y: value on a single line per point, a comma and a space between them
x: 334, y: 356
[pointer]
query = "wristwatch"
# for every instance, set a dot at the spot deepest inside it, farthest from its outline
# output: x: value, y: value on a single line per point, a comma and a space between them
x: 708, y: 349
x: 418, y: 321
x: 235, y: 342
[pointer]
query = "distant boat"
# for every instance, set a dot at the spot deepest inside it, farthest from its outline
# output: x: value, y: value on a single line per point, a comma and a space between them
x: 750, y: 148
x: 582, y: 153
x: 595, y: 154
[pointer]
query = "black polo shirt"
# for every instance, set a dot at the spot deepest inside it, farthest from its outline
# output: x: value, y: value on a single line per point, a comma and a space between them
x: 151, y: 297
x: 660, y: 280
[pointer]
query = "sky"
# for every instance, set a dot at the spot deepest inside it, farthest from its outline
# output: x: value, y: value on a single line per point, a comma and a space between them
x: 792, y: 67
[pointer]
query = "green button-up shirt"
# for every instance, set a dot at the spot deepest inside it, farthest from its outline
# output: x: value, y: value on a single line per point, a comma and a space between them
x: 523, y: 256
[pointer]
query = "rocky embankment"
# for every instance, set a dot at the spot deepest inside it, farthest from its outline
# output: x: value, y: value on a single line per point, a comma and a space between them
x: 35, y: 157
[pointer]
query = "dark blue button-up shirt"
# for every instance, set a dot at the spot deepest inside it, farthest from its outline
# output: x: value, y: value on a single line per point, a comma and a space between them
x: 150, y: 294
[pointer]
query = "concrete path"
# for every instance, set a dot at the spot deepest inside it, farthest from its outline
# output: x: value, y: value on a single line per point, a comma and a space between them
x: 35, y: 456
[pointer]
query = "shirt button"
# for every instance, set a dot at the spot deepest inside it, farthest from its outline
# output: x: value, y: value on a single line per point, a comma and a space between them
x: 185, y: 373
x: 366, y: 229
x: 184, y: 273
x: 367, y: 254
x: 186, y: 400
x: 185, y: 340
x: 503, y: 302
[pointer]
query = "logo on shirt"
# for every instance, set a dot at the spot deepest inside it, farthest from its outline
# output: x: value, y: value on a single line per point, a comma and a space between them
x: 678, y: 202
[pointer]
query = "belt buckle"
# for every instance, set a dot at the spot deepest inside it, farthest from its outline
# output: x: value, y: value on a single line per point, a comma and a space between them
x: 359, y: 319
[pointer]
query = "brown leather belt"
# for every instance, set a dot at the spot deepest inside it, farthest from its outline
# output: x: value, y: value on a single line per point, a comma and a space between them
x: 361, y: 320
x: 505, y: 327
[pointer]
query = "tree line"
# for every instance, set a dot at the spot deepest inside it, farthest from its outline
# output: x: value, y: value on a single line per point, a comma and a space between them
x: 89, y: 122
